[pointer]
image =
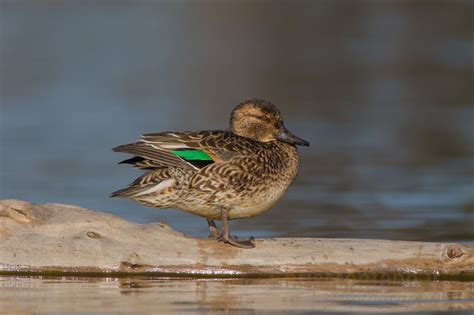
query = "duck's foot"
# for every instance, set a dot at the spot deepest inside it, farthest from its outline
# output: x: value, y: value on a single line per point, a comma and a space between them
x: 214, y: 233
x: 225, y: 236
x: 244, y: 243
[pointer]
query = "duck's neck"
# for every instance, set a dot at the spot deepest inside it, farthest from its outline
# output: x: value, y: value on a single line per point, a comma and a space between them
x: 281, y: 157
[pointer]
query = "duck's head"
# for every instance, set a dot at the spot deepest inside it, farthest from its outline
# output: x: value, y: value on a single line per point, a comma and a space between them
x: 261, y: 120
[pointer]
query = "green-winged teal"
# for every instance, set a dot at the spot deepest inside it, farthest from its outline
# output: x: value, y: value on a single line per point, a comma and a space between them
x: 219, y: 175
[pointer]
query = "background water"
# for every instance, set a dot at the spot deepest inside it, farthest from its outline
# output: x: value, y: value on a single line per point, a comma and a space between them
x: 66, y: 295
x: 383, y: 90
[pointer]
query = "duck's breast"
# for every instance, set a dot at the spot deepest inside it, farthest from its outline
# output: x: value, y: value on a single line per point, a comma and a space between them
x: 265, y: 184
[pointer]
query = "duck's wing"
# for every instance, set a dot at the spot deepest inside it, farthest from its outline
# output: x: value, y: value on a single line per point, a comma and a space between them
x: 153, y: 181
x: 193, y: 150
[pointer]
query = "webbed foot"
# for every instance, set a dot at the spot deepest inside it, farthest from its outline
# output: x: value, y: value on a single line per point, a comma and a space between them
x: 214, y: 233
x: 225, y: 236
x: 244, y: 243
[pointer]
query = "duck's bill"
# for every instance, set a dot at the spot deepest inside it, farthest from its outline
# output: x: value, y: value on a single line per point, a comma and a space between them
x: 286, y: 136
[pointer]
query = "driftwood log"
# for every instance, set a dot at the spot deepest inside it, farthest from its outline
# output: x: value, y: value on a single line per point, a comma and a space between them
x: 67, y: 239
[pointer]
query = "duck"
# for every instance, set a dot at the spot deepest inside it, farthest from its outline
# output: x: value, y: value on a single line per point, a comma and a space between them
x: 219, y: 175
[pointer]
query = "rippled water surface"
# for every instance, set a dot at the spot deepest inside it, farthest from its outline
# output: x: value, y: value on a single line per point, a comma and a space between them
x: 381, y: 89
x: 233, y: 296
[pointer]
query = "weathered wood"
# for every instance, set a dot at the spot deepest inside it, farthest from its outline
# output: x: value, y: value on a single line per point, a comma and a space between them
x: 63, y: 238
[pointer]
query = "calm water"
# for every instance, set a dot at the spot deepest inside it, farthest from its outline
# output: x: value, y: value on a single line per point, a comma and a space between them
x: 21, y: 295
x: 383, y: 90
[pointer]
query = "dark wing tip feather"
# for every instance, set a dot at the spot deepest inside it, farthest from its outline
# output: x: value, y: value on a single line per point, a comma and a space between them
x: 116, y: 193
x: 124, y: 193
x: 128, y: 191
x: 122, y: 148
x: 133, y: 160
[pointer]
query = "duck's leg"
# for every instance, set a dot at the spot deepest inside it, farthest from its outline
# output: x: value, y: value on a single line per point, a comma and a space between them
x: 213, y: 231
x: 225, y: 235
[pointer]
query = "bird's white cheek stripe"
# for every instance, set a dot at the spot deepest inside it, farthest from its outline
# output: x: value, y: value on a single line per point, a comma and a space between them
x: 162, y: 185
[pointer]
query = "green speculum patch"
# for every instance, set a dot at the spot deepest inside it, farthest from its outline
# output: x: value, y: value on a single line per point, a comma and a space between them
x: 192, y: 155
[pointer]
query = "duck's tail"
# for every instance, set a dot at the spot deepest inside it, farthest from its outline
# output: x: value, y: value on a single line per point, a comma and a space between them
x: 154, y: 185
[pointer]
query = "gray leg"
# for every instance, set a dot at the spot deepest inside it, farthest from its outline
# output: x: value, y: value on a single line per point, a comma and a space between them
x: 213, y: 231
x: 225, y: 235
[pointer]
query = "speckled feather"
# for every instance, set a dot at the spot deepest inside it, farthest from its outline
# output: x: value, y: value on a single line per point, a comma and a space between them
x: 246, y: 176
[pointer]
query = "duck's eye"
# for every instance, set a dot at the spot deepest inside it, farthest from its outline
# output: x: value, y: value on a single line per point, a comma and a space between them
x: 264, y: 118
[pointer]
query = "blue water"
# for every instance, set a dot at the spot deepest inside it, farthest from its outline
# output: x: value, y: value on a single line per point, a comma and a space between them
x: 384, y: 94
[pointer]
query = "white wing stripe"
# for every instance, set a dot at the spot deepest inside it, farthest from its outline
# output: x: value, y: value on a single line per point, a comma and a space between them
x: 162, y: 185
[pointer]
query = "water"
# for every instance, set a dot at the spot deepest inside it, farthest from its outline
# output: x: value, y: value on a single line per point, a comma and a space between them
x: 384, y: 94
x: 233, y: 296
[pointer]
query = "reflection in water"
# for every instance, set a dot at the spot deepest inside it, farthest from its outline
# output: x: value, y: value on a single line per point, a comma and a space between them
x: 109, y: 295
x: 381, y: 89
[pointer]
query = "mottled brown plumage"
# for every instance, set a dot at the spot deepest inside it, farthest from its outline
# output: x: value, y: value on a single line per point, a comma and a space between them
x: 219, y: 175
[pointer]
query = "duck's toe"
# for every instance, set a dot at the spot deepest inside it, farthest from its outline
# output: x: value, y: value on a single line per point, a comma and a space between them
x: 214, y: 234
x: 244, y: 243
